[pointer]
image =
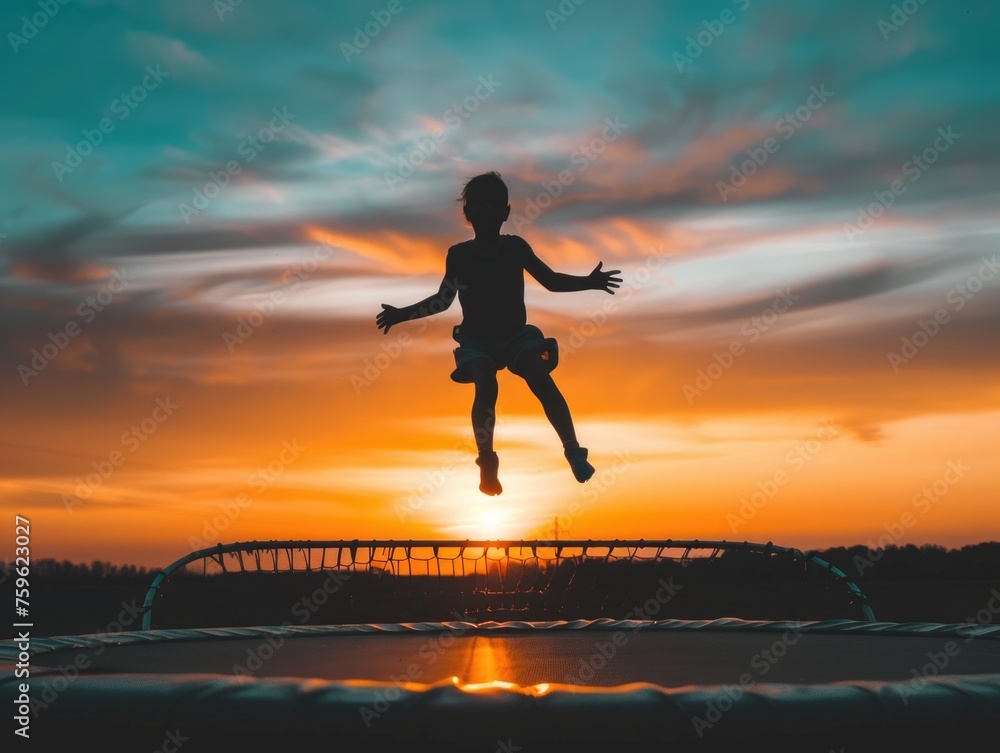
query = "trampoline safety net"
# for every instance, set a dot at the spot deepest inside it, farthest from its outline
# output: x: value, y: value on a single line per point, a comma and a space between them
x: 345, y: 582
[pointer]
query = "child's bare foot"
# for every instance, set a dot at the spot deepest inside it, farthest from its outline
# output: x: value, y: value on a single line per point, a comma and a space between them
x: 577, y: 457
x: 489, y: 464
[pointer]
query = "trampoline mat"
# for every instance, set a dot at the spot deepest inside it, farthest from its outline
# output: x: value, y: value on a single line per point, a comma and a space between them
x: 596, y: 658
x: 696, y: 685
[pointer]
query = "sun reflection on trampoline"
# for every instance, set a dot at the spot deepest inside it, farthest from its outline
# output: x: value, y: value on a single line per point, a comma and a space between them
x: 493, y: 685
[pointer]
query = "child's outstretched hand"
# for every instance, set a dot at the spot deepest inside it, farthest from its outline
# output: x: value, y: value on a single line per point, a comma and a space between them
x: 389, y: 316
x: 601, y: 280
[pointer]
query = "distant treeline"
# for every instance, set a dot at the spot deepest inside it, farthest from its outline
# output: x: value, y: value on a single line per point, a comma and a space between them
x: 910, y: 562
x: 53, y: 568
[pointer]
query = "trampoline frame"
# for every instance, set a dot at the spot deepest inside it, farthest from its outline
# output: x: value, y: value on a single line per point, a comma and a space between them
x: 630, y: 546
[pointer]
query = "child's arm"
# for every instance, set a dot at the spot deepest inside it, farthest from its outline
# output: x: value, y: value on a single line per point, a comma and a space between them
x: 559, y: 282
x: 390, y: 316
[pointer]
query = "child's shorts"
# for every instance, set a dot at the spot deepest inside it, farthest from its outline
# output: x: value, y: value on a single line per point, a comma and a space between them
x: 517, y: 353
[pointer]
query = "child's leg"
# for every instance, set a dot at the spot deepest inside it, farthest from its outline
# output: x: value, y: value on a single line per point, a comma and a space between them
x: 553, y: 403
x: 543, y: 387
x: 484, y: 377
x: 484, y: 404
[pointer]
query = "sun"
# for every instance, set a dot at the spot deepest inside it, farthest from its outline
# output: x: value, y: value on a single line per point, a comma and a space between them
x: 492, y: 523
x: 484, y: 520
x: 461, y: 511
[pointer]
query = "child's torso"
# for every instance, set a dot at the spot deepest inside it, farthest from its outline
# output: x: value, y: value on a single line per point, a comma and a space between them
x: 491, y: 288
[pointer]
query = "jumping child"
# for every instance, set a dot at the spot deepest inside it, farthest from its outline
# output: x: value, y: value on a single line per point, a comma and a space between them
x: 487, y: 274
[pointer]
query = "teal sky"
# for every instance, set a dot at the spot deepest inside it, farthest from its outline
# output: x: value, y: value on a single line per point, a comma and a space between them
x: 354, y: 119
x: 753, y: 145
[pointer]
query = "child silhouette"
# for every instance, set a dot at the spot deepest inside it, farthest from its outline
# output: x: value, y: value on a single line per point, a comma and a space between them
x: 487, y: 274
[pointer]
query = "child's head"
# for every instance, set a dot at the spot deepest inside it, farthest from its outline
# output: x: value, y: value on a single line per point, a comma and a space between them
x: 484, y: 200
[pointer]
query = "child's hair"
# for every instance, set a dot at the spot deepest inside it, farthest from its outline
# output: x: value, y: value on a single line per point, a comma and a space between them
x: 487, y: 188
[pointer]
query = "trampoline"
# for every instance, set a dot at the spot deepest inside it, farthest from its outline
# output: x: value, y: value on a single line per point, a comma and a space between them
x: 510, y: 669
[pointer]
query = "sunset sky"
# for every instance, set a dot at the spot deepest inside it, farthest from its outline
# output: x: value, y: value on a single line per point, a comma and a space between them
x: 206, y: 204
